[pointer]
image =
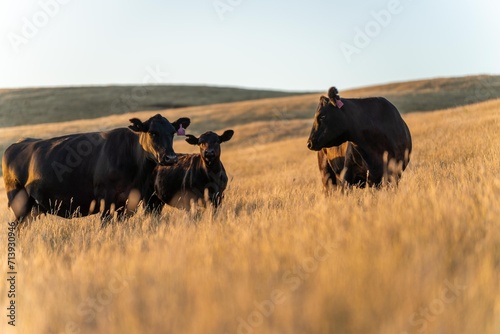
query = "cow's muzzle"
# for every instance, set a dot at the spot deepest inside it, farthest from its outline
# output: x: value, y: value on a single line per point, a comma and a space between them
x: 209, y: 154
x: 311, y: 146
x: 169, y: 160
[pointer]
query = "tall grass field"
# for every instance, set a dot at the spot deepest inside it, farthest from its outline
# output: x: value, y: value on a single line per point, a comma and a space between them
x: 279, y: 256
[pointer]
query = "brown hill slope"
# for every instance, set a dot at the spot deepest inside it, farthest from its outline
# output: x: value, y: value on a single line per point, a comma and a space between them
x: 434, y: 94
x: 47, y: 105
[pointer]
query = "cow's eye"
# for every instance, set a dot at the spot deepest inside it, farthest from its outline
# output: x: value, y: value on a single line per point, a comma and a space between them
x: 322, y: 117
x: 153, y: 134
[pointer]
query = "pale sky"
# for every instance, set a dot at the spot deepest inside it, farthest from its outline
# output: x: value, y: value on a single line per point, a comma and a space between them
x: 286, y: 45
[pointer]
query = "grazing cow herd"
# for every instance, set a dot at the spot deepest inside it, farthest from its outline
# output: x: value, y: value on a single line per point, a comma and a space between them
x: 360, y: 142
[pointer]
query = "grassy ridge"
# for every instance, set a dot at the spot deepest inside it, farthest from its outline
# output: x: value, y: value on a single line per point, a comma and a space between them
x: 434, y: 94
x: 279, y: 256
x: 47, y: 105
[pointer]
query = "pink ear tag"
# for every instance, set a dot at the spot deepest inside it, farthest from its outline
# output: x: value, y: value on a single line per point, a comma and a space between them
x: 181, y: 131
x: 339, y: 103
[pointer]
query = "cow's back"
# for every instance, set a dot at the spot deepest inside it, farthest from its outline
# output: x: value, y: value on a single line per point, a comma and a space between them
x: 380, y: 127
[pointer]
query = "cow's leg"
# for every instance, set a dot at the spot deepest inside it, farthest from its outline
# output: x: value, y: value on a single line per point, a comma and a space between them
x: 112, y: 213
x: 348, y: 176
x: 328, y: 176
x: 34, y: 212
x: 107, y: 209
x: 217, y: 200
x: 153, y: 205
x: 376, y: 175
x: 104, y: 208
x: 393, y: 169
x: 19, y: 202
x: 114, y: 208
x: 356, y: 169
x: 24, y: 207
x: 106, y: 202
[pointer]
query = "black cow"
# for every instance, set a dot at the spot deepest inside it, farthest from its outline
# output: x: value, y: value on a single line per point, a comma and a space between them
x: 359, y: 141
x: 195, y: 177
x: 87, y: 173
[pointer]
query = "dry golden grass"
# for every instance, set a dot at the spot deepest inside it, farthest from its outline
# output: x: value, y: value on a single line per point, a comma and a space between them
x: 279, y: 256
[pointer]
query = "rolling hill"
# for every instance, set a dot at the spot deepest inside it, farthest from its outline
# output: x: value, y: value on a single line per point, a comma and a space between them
x: 434, y: 94
x: 48, y: 105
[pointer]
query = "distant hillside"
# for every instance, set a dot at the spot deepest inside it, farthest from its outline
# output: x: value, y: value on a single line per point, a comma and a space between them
x: 47, y: 105
x: 433, y: 94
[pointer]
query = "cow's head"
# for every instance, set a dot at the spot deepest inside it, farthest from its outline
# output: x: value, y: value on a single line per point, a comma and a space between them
x: 209, y: 144
x: 156, y: 136
x: 330, y: 124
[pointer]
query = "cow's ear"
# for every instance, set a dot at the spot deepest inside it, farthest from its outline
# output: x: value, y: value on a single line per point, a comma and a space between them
x: 228, y: 134
x: 192, y: 140
x: 323, y: 100
x: 137, y: 125
x: 184, y: 121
